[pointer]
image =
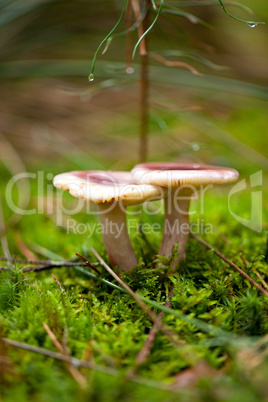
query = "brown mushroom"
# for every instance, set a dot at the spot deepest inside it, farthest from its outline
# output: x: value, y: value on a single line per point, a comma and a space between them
x: 181, y: 180
x: 112, y: 191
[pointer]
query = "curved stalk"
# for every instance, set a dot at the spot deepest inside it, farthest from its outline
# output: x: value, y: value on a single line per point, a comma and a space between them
x: 116, y: 238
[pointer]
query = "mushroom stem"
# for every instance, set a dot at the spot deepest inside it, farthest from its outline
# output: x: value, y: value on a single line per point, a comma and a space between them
x: 176, y: 226
x: 116, y: 238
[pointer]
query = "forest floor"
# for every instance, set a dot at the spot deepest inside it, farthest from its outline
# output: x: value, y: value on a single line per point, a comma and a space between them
x: 214, y: 344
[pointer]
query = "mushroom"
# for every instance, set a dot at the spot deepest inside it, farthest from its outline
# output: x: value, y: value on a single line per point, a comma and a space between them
x: 181, y: 180
x: 112, y: 191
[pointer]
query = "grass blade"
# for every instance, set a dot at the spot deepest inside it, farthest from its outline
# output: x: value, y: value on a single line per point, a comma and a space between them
x: 252, y: 24
x: 149, y: 29
x: 91, y: 75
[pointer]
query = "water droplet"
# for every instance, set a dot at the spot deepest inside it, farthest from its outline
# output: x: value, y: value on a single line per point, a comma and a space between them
x: 91, y: 77
x: 195, y: 147
x: 129, y: 70
x: 252, y: 24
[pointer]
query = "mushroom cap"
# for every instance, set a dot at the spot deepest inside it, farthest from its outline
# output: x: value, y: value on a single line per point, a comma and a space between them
x: 173, y: 175
x: 106, y: 187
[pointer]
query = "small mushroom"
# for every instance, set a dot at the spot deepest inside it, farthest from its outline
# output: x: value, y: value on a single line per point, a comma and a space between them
x: 181, y: 180
x: 112, y: 191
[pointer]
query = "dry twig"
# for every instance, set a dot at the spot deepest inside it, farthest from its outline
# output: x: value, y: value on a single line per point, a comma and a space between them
x: 144, y: 353
x: 23, y: 248
x: 88, y: 263
x: 149, y: 343
x: 82, y: 363
x: 172, y: 336
x: 170, y: 63
x: 78, y: 377
x: 44, y: 264
x: 245, y: 261
x: 232, y: 264
x: 59, y: 285
x: 59, y: 356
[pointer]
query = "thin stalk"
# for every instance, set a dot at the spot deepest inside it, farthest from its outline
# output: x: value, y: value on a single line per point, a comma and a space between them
x: 149, y: 27
x: 97, y: 367
x: 77, y: 376
x: 138, y: 16
x: 144, y: 95
x: 129, y: 62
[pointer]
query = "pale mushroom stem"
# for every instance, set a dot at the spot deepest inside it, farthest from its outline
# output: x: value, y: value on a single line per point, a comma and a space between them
x: 176, y: 226
x: 116, y: 238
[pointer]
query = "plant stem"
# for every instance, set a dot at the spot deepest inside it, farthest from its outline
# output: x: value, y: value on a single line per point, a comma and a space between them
x: 96, y: 367
x: 149, y: 343
x: 129, y: 37
x: 40, y: 265
x: 144, y: 93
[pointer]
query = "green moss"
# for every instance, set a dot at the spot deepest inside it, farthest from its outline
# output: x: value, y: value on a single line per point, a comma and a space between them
x: 99, y: 323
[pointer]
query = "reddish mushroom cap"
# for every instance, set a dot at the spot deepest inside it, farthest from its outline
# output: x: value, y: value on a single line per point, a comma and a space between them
x: 175, y: 174
x: 105, y: 187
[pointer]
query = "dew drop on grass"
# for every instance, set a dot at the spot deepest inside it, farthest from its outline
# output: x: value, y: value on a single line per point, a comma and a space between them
x: 252, y: 25
x: 195, y: 147
x: 91, y: 77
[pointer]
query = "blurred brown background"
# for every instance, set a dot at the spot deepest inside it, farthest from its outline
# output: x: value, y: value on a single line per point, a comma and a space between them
x: 49, y: 110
